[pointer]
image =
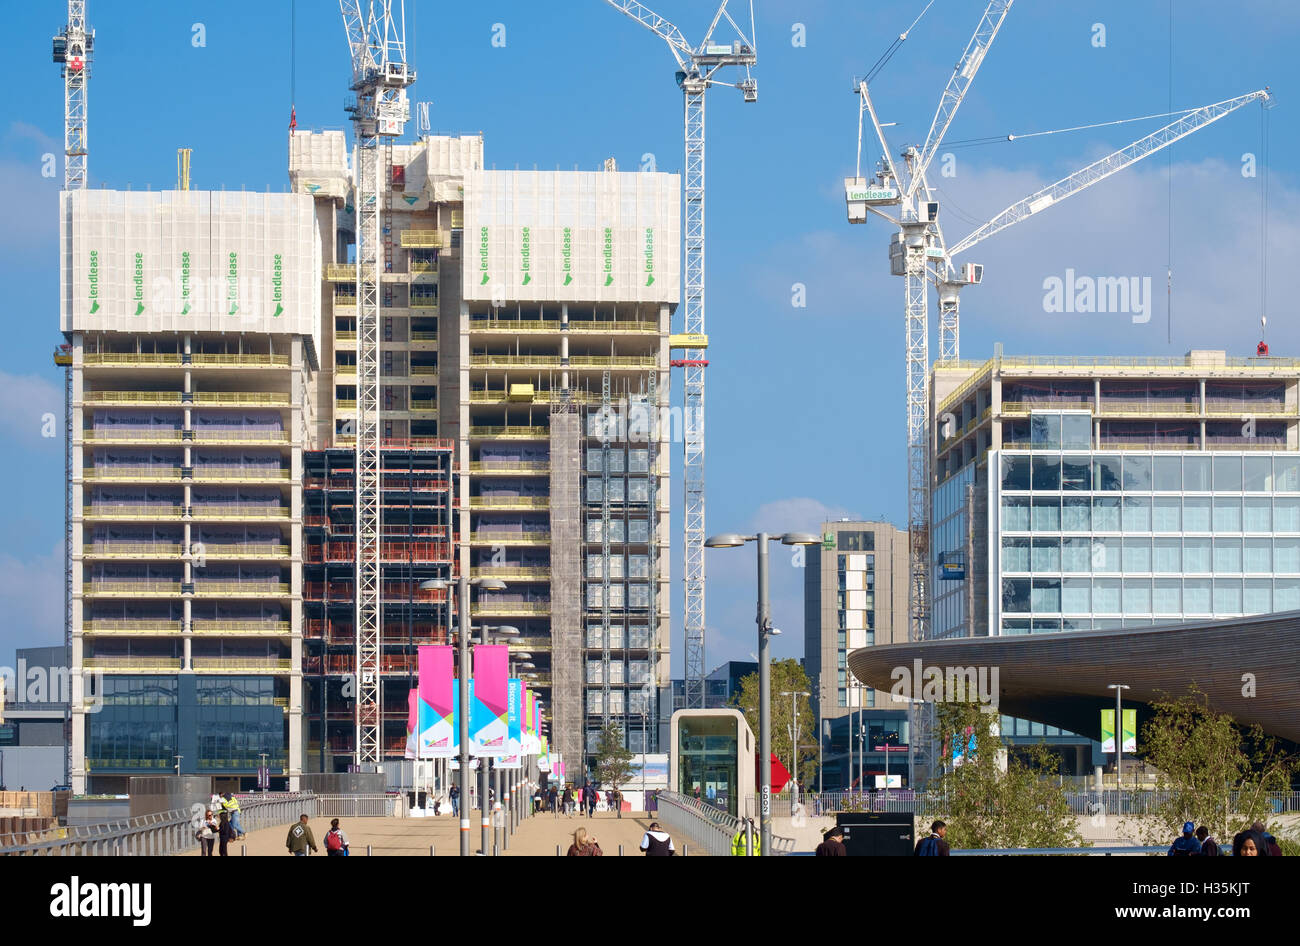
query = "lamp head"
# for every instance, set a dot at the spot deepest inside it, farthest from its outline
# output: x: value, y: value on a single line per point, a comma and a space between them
x: 488, y: 584
x: 800, y: 538
x: 724, y: 540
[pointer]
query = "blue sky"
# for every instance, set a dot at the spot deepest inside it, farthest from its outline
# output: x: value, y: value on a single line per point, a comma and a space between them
x: 805, y: 405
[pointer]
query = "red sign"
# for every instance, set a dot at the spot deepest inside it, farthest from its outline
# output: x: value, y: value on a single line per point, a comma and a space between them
x: 780, y: 774
x: 75, y: 63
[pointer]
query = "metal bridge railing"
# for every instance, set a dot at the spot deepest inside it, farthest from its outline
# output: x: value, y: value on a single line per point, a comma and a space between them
x: 361, y: 806
x: 156, y: 835
x: 699, y: 825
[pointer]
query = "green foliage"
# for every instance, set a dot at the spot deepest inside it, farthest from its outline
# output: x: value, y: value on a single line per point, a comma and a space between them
x: 986, y: 807
x: 787, y: 677
x: 613, y: 762
x: 1209, y: 770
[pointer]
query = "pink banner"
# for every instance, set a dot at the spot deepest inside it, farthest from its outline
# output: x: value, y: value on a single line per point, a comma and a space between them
x: 435, y: 669
x: 490, y: 713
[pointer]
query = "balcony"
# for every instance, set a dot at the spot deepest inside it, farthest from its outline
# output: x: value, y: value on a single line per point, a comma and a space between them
x: 240, y: 361
x: 243, y: 628
x: 168, y: 398
x: 510, y: 433
x: 514, y: 326
x: 510, y: 467
x: 510, y: 573
x: 120, y: 359
x: 420, y: 240
x: 424, y: 405
x: 133, y: 550
x: 241, y: 589
x: 242, y: 398
x: 510, y: 538
x: 133, y: 664
x: 615, y: 328
x: 217, y: 474
x: 509, y: 502
x: 233, y: 511
x: 240, y: 550
x: 424, y: 338
x: 613, y: 361
x: 532, y: 608
x: 427, y: 304
x: 133, y: 435
x: 132, y: 474
x: 239, y: 435
x: 241, y: 664
x: 115, y: 511
x: 136, y: 628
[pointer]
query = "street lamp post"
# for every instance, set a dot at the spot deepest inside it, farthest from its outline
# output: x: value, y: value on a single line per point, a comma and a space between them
x: 794, y: 737
x: 1119, y: 689
x: 490, y: 785
x: 461, y: 585
x: 765, y: 633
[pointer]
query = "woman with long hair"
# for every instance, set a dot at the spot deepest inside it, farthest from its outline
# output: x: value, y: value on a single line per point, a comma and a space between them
x: 583, y: 845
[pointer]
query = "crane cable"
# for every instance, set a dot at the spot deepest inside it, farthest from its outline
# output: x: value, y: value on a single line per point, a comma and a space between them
x: 991, y: 139
x: 1263, y: 215
x: 1169, y: 201
x: 888, y: 54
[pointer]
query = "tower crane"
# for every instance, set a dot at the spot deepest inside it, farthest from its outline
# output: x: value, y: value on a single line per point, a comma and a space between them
x: 380, y: 78
x: 698, y: 68
x: 919, y: 252
x: 73, y: 48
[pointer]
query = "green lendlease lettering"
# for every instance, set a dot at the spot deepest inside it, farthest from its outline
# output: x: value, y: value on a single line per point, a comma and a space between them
x: 232, y: 282
x: 650, y: 256
x: 277, y: 285
x: 525, y: 252
x: 94, y: 281
x: 137, y: 281
x: 483, y: 254
x: 566, y: 254
x: 609, y: 256
x: 185, y: 282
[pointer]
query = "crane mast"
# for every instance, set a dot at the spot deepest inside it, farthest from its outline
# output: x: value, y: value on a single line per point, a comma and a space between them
x: 698, y: 69
x: 380, y: 78
x: 73, y: 48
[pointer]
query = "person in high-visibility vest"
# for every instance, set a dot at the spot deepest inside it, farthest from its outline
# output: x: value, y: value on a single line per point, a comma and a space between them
x: 748, y: 841
x: 229, y: 803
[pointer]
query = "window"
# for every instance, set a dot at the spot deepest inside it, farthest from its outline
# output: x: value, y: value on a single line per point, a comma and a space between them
x: 1015, y: 555
x: 1106, y: 596
x: 1076, y: 431
x: 1076, y: 555
x: 1196, y: 474
x: 1196, y: 596
x: 638, y: 530
x: 1015, y: 515
x: 1167, y: 556
x: 1015, y: 594
x: 1047, y: 473
x: 1076, y: 514
x: 1258, y: 557
x: 638, y: 461
x: 1015, y: 472
x: 1196, y: 555
x: 1258, y: 513
x: 1168, y: 596
x: 1227, y: 474
x: 1046, y: 595
x: 1105, y: 554
x: 638, y: 490
x: 1286, y: 474
x: 1167, y: 474
x: 1227, y: 556
x: 1046, y: 555
x: 1106, y: 473
x: 1137, y: 555
x: 1196, y: 514
x: 638, y: 566
x: 1258, y: 596
x: 1105, y: 513
x: 1166, y: 513
x: 857, y: 541
x: 1286, y: 556
x: 1227, y: 513
x: 1137, y: 511
x: 1137, y: 474
x: 1258, y: 474
x: 1286, y: 515
x: 1286, y: 594
x: 1045, y: 430
x: 1137, y: 596
x: 1076, y: 595
x: 1076, y: 473
x: 1227, y: 595
x: 1047, y: 514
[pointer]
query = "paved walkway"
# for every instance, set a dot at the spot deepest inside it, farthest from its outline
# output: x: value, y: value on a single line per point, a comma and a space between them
x: 397, y: 837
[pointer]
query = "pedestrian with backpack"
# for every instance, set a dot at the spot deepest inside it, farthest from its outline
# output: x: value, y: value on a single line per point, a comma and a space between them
x: 336, y: 842
x: 934, y: 845
x: 206, y: 834
x: 656, y: 842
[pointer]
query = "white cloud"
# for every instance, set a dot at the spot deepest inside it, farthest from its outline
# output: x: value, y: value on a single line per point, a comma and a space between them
x: 29, y: 399
x: 31, y: 599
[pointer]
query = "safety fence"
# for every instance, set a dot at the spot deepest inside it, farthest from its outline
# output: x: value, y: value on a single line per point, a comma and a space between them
x: 1110, y: 802
x: 160, y: 834
x: 361, y: 806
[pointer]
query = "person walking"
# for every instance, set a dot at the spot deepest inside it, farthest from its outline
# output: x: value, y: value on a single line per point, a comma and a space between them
x: 656, y: 842
x: 616, y: 801
x: 570, y: 801
x: 592, y: 799
x: 934, y: 844
x: 1187, y: 845
x: 230, y: 803
x: 300, y: 839
x: 552, y: 801
x: 454, y: 795
x: 336, y: 842
x: 226, y: 832
x: 832, y: 844
x: 1209, y: 847
x: 206, y: 834
x: 1271, y: 847
x: 748, y: 842
x: 583, y: 845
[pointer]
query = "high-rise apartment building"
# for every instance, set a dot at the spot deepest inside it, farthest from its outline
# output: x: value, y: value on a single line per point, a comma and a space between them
x: 194, y: 325
x: 525, y: 330
x: 855, y: 595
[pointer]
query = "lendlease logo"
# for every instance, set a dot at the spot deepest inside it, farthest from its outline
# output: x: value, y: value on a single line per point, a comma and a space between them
x: 75, y: 899
x: 483, y: 254
x: 525, y: 252
x: 609, y: 256
x: 650, y: 256
x: 946, y: 685
x: 277, y: 285
x: 566, y: 254
x: 232, y: 282
x: 93, y: 276
x: 137, y: 280
x: 185, y: 282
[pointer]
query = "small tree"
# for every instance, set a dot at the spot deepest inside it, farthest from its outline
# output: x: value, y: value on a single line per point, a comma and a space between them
x: 788, y: 676
x: 986, y: 807
x: 613, y: 759
x: 1209, y: 770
